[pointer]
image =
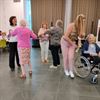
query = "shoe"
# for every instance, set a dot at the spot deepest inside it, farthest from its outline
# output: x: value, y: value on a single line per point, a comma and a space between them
x: 52, y: 66
x: 19, y: 68
x: 71, y: 74
x: 23, y: 76
x: 12, y: 69
x: 58, y: 65
x: 30, y: 73
x: 46, y: 61
x: 66, y: 73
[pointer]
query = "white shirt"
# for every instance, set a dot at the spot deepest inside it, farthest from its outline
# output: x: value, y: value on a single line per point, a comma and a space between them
x: 12, y: 38
x: 91, y: 49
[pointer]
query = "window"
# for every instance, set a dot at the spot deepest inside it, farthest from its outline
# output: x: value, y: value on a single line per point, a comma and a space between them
x: 28, y: 13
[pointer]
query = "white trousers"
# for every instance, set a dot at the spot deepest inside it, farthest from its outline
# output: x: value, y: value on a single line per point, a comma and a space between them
x: 44, y: 50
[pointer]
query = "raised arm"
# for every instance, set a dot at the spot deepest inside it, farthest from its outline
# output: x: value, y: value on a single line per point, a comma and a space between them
x: 33, y: 35
x: 13, y: 32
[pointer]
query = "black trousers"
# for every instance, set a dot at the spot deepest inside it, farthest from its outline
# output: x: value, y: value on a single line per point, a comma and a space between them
x: 55, y: 54
x: 95, y: 59
x: 13, y: 52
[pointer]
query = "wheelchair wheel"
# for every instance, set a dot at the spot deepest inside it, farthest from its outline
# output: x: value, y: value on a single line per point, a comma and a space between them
x: 82, y: 67
x: 94, y: 79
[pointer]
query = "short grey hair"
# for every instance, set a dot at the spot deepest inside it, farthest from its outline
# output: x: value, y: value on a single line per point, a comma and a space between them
x: 59, y: 23
x: 23, y: 23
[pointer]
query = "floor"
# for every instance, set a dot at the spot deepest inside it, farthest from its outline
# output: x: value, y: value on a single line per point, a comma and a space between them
x: 45, y: 84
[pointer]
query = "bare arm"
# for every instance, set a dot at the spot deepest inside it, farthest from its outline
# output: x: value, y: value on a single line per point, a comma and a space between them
x: 40, y: 33
x: 33, y: 35
x: 68, y: 32
x: 13, y: 32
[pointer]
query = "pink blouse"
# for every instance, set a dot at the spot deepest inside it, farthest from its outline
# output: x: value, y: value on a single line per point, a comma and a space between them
x: 23, y: 36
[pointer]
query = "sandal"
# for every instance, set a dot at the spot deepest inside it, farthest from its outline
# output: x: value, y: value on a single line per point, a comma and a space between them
x: 46, y: 61
x: 23, y: 76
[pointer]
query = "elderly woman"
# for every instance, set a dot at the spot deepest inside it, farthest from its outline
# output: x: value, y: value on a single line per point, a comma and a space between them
x: 91, y: 50
x: 55, y: 36
x: 23, y: 35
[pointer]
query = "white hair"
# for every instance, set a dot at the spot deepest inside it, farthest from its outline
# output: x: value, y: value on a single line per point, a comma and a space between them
x: 59, y: 23
x: 23, y: 23
x: 90, y: 35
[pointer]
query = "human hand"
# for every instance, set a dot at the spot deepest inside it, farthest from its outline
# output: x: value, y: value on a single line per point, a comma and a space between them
x: 74, y: 44
x: 93, y: 54
x: 47, y: 35
x: 42, y: 35
x: 10, y: 33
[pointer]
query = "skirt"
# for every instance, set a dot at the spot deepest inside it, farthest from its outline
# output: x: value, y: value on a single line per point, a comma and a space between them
x: 24, y: 55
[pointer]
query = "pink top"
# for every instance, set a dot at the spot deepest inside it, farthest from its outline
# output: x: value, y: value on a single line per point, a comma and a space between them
x: 23, y: 36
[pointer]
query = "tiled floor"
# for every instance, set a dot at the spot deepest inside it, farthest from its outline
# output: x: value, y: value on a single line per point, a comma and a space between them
x: 45, y: 84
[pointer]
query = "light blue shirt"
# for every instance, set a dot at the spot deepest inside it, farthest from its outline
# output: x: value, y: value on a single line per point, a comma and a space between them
x: 91, y: 49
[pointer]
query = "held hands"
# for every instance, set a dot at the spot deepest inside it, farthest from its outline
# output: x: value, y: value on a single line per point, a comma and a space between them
x: 10, y: 32
x: 47, y: 35
x: 44, y: 35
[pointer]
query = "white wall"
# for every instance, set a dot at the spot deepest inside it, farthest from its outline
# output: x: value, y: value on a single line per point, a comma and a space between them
x: 9, y: 8
x: 98, y: 42
x: 1, y: 14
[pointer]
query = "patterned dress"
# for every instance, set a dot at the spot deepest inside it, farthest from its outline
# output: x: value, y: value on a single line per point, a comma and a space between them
x: 24, y: 54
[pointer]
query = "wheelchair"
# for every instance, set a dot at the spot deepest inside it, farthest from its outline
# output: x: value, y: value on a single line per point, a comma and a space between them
x: 85, y: 67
